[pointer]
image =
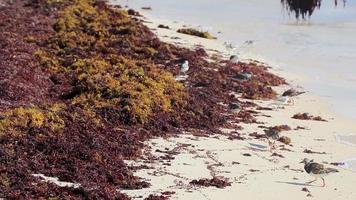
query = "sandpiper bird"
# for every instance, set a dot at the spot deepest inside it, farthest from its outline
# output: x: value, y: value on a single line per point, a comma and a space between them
x: 234, y: 59
x: 285, y: 100
x: 273, y: 134
x: 185, y: 67
x: 230, y: 46
x: 243, y: 76
x: 316, y: 170
x: 292, y: 92
x: 234, y: 107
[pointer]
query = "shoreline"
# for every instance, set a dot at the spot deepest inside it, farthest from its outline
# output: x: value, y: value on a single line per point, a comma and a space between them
x: 335, y: 151
x: 305, y: 50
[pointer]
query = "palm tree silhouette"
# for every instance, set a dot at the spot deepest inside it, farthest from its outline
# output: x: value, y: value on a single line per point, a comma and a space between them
x: 304, y: 8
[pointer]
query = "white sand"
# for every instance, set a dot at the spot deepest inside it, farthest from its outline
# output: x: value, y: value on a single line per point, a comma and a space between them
x: 276, y: 178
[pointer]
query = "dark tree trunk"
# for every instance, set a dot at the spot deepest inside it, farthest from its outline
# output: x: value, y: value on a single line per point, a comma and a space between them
x: 303, y: 8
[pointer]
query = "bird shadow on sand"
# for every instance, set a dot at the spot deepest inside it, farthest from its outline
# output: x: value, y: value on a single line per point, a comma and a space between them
x: 298, y: 184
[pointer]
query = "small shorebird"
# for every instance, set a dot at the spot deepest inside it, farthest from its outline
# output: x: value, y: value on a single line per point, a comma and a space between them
x: 285, y: 100
x: 185, y: 67
x: 317, y: 170
x: 234, y: 107
x: 243, y: 76
x: 273, y: 134
x: 230, y: 46
x: 234, y: 59
x: 292, y: 92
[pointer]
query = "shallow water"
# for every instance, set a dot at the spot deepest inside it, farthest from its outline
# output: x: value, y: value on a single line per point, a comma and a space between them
x: 322, y: 49
x: 350, y: 164
x: 347, y: 139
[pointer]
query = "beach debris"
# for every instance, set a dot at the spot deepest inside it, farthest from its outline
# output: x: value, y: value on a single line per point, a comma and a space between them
x: 300, y: 128
x: 156, y: 197
x: 218, y: 182
x: 236, y: 136
x: 292, y: 92
x: 263, y: 108
x: 164, y: 196
x: 133, y: 13
x: 285, y: 140
x: 304, y: 189
x: 337, y: 163
x: 194, y: 32
x: 319, y: 139
x: 184, y: 67
x: 168, y: 193
x: 163, y: 26
x: 255, y: 135
x: 146, y: 8
x: 277, y: 155
x: 307, y: 116
x: 234, y: 59
x: 312, y: 152
x: 281, y: 128
x: 247, y: 154
x: 317, y: 170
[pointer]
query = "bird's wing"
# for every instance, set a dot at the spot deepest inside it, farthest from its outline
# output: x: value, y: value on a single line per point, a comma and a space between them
x: 331, y: 170
x: 317, y: 168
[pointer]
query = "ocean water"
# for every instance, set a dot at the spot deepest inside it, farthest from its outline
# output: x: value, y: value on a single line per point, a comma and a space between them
x: 321, y: 49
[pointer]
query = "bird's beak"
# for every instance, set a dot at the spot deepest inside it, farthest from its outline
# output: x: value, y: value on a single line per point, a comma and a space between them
x: 302, y: 161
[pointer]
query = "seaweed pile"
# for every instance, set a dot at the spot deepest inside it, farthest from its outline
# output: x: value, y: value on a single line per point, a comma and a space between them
x: 191, y: 31
x: 84, y: 84
x: 307, y: 116
x: 215, y: 182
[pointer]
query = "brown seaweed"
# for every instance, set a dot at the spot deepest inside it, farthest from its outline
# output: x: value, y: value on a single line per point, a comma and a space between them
x: 307, y: 116
x: 215, y: 182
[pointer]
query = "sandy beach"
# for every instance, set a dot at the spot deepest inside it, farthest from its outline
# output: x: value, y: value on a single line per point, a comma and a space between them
x: 259, y: 175
x: 100, y: 101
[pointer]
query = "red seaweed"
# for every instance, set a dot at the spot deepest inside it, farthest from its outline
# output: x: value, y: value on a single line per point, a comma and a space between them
x: 307, y: 116
x: 215, y: 182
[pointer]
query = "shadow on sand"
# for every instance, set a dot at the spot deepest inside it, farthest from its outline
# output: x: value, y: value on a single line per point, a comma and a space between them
x: 299, y: 184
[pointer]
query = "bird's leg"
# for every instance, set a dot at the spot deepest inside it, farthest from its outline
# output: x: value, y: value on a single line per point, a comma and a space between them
x: 270, y: 145
x: 323, y: 182
x: 312, y: 181
x: 274, y: 145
